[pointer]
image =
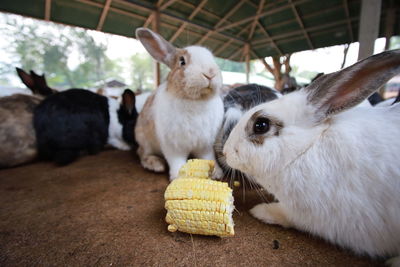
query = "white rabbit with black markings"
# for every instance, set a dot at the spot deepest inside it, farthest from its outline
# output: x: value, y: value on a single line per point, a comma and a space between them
x: 236, y: 102
x: 333, y: 168
x: 183, y: 116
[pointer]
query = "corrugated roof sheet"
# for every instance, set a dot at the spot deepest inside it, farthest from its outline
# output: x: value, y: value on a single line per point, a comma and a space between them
x: 268, y: 27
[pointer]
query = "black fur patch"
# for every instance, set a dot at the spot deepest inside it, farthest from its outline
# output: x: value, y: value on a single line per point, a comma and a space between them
x: 375, y: 98
x: 128, y: 121
x: 69, y: 122
x: 244, y: 98
x: 248, y: 96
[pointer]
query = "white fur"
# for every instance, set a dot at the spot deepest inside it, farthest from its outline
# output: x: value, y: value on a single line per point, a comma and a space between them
x: 115, y: 127
x: 339, y: 179
x: 186, y: 127
x: 386, y: 103
x: 188, y: 114
x: 365, y: 103
x: 202, y: 61
x: 232, y: 115
x: 140, y: 100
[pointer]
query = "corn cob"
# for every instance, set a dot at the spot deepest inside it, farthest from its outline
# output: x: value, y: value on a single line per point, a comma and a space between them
x: 197, y: 168
x: 198, y: 205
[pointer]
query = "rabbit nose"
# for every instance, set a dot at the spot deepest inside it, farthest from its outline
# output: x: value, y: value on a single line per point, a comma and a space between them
x: 209, y: 76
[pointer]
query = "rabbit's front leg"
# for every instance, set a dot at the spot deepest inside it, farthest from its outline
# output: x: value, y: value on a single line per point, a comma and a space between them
x: 175, y: 161
x: 272, y: 213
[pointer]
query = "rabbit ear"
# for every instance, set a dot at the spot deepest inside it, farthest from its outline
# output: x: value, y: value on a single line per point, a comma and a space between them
x: 128, y: 101
x: 157, y: 46
x: 26, y: 79
x: 40, y: 80
x: 344, y: 89
x: 41, y: 85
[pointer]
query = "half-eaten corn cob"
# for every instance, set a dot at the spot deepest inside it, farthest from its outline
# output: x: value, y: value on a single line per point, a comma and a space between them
x: 198, y: 205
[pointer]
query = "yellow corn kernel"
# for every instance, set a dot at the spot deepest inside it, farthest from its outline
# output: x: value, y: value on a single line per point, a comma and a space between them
x: 198, y: 205
x: 196, y: 168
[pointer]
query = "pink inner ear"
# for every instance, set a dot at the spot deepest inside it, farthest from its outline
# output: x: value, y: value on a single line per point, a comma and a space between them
x: 355, y: 88
x: 27, y: 79
x: 156, y: 49
x: 344, y: 99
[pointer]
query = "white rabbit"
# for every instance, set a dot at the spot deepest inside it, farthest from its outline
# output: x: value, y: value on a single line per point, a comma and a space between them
x: 183, y: 116
x: 334, y: 170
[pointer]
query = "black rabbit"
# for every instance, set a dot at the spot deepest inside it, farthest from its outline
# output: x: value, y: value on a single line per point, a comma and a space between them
x: 78, y: 120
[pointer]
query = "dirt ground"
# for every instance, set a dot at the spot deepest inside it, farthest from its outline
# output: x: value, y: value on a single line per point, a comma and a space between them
x: 105, y: 210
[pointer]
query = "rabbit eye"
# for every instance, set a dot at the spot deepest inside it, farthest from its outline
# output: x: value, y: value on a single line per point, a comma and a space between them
x: 261, y: 126
x: 182, y: 61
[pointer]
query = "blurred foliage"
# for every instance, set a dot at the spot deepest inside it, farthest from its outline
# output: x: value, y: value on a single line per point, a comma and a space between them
x: 47, y: 48
x: 228, y: 65
x: 395, y: 42
x: 142, y: 72
x: 306, y: 74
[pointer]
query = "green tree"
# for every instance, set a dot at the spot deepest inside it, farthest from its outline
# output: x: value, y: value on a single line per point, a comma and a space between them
x: 142, y: 72
x: 44, y: 47
x: 395, y: 42
x: 228, y: 65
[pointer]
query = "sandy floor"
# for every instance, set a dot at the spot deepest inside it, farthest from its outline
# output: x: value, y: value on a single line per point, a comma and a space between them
x: 106, y: 210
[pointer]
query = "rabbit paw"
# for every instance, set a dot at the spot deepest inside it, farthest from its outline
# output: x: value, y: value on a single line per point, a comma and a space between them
x: 270, y: 213
x: 154, y: 163
x: 217, y: 173
x: 118, y: 144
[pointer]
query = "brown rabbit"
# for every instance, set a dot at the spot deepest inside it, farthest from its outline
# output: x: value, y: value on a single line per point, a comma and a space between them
x: 17, y: 134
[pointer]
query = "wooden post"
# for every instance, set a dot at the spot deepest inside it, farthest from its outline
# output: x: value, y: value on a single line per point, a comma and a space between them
x: 389, y: 27
x: 369, y: 27
x: 156, y: 28
x: 47, y: 10
x: 247, y: 55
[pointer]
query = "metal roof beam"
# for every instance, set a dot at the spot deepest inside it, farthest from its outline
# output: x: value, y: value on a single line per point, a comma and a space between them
x: 225, y: 45
x: 214, y: 16
x: 230, y: 13
x: 159, y: 3
x: 254, y: 24
x: 148, y: 20
x: 167, y: 4
x: 47, y: 10
x: 251, y: 3
x: 136, y: 16
x: 113, y: 9
x: 182, y: 27
x: 263, y: 14
x: 173, y: 17
x: 300, y: 37
x: 310, y: 15
x: 274, y: 26
x: 222, y: 20
x: 268, y: 36
x: 234, y: 54
x: 298, y: 32
x: 349, y: 28
x: 299, y: 20
x: 206, y: 12
x: 103, y: 15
